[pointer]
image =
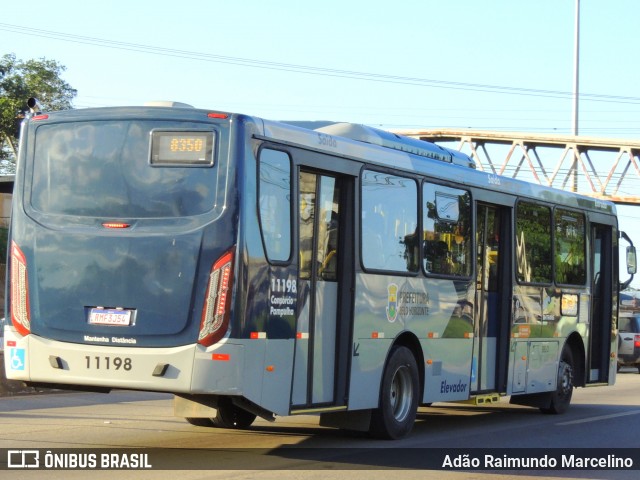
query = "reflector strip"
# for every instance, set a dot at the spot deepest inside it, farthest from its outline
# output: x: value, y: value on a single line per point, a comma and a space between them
x: 302, y: 335
x: 377, y: 334
x: 35, y: 118
x: 433, y: 335
x: 217, y: 115
x: 256, y: 335
x: 224, y: 357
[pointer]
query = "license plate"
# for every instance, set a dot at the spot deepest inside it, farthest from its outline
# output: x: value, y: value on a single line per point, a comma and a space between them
x: 110, y: 316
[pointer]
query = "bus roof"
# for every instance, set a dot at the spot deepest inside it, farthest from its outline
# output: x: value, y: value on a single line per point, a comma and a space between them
x: 365, y: 144
x: 388, y: 149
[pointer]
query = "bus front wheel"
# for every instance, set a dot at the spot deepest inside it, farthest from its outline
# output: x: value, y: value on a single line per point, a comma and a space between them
x: 561, y: 396
x: 398, y: 404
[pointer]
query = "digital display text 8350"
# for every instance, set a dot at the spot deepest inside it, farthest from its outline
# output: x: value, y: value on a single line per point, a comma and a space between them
x: 182, y: 148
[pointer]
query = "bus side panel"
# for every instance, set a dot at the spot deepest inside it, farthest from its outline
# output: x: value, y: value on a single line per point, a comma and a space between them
x: 543, y: 318
x: 276, y: 373
x: 219, y: 370
x: 448, y: 367
x: 542, y: 366
x: 258, y: 369
x: 432, y: 310
x: 366, y: 372
x: 251, y: 375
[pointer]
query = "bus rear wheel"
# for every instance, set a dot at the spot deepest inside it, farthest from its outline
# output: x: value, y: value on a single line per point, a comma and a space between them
x: 229, y: 415
x: 561, y: 397
x: 398, y: 405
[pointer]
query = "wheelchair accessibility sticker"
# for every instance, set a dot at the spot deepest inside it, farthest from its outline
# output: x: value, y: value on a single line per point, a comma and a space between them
x: 16, y: 356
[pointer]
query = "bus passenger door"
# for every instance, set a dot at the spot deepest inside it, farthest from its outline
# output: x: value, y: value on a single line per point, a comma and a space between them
x: 491, y: 341
x: 322, y: 338
x: 603, y: 290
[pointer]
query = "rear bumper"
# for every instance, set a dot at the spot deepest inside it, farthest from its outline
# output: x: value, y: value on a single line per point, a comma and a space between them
x: 629, y: 360
x: 182, y: 369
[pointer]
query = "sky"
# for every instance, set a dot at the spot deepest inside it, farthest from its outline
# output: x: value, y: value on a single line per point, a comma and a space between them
x: 493, y: 64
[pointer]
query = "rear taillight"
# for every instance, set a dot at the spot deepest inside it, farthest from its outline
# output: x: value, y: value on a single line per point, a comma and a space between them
x: 116, y: 225
x: 215, y: 313
x: 20, y: 315
x: 636, y: 342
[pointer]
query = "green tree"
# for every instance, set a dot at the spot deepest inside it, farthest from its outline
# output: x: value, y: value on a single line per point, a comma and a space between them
x: 20, y: 80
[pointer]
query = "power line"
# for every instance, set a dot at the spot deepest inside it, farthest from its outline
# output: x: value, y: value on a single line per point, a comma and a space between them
x: 308, y: 69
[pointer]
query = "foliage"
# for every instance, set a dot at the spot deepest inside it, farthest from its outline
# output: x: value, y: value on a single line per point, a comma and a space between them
x: 20, y: 80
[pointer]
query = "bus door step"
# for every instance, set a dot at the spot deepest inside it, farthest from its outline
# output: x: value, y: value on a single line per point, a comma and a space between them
x: 484, y: 399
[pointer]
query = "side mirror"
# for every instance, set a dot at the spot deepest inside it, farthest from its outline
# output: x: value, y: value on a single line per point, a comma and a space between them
x: 632, y: 267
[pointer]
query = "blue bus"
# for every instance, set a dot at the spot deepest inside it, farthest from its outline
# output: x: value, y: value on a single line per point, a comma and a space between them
x: 259, y: 268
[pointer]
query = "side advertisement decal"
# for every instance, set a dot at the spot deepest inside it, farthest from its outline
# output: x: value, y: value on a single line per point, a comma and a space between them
x: 392, y: 304
x: 406, y: 302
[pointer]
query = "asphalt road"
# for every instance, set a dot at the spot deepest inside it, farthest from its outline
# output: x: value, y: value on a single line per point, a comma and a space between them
x: 296, y: 447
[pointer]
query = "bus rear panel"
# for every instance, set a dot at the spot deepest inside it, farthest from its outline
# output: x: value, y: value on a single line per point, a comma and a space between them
x: 120, y: 217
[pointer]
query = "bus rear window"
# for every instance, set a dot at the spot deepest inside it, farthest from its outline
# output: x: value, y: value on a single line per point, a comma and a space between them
x: 103, y: 169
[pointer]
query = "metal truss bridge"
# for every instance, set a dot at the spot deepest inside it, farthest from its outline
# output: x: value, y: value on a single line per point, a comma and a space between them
x: 605, y: 168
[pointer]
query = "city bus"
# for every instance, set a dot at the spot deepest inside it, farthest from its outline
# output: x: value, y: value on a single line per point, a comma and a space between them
x: 256, y: 268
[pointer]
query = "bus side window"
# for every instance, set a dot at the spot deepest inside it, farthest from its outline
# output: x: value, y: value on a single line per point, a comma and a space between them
x: 373, y: 253
x: 533, y: 243
x: 570, y: 256
x: 389, y: 222
x: 275, y: 203
x: 447, y: 230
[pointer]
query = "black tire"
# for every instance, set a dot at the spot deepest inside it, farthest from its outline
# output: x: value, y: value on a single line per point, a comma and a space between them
x: 561, y: 397
x: 638, y: 368
x: 398, y: 404
x: 229, y: 415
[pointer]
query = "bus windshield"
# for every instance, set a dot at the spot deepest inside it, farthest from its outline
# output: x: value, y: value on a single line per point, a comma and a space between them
x: 124, y: 169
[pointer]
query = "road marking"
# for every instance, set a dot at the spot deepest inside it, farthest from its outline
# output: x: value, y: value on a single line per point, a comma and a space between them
x: 601, y: 417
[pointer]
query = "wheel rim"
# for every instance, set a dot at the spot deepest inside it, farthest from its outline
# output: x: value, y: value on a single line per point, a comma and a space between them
x: 401, y: 393
x: 566, y: 382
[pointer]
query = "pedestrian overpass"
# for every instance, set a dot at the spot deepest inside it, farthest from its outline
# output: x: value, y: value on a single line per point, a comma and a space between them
x: 606, y: 168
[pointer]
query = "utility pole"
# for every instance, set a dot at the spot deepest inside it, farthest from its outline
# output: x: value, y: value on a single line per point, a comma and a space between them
x: 576, y: 89
x: 576, y: 70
